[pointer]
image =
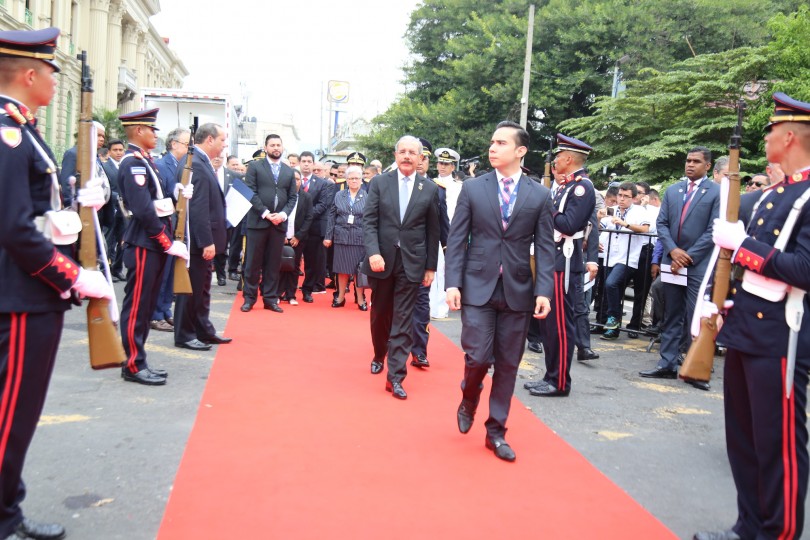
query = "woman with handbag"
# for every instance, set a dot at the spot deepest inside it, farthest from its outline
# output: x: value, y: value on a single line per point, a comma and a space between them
x: 345, y: 229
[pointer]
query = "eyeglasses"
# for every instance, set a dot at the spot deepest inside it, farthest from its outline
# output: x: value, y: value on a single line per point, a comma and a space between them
x: 757, y: 184
x: 333, y: 174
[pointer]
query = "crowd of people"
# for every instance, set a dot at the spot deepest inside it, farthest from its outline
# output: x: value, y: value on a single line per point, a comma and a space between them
x: 517, y: 257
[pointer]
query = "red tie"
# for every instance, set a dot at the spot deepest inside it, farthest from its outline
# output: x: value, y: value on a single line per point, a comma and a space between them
x: 687, y: 201
x: 306, y: 185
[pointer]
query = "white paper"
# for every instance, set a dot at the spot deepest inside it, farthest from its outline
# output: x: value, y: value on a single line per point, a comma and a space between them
x: 236, y: 207
x: 676, y: 279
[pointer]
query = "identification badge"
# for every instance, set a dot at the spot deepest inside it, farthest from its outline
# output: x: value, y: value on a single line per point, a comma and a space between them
x: 351, y: 219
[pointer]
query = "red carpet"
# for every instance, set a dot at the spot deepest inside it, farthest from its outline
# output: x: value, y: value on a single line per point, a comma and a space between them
x: 295, y: 439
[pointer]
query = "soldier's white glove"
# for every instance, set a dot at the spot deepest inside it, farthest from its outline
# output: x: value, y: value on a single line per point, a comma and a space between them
x: 92, y: 194
x: 178, y: 249
x: 91, y: 283
x: 728, y: 235
x: 710, y: 308
x: 187, y: 191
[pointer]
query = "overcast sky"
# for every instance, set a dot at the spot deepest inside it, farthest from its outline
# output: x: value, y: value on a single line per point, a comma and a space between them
x: 285, y: 50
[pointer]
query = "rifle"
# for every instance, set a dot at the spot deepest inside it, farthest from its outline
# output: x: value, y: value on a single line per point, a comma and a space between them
x: 182, y: 281
x: 697, y: 366
x: 547, y: 171
x: 106, y: 350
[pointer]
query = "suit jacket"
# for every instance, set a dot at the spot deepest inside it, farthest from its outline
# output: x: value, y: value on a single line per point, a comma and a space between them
x: 206, y: 209
x: 230, y: 176
x: 112, y: 174
x: 269, y: 195
x: 170, y: 170
x: 695, y: 234
x: 338, y: 228
x: 747, y: 202
x: 323, y: 197
x: 68, y: 169
x: 478, y: 246
x: 417, y: 234
x: 303, y: 216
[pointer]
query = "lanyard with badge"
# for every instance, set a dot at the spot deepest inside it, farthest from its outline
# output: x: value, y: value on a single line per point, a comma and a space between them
x: 352, y: 200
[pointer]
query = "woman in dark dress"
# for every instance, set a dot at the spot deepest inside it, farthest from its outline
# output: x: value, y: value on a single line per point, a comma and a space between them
x: 345, y: 229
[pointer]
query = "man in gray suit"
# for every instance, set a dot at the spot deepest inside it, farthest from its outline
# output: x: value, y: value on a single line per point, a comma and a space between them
x: 498, y: 217
x: 401, y: 235
x: 685, y: 231
x: 274, y: 196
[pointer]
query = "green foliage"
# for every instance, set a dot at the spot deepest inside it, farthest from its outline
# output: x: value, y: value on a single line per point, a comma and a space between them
x: 112, y: 125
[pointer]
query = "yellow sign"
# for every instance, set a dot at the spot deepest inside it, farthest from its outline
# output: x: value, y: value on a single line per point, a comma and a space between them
x: 338, y: 92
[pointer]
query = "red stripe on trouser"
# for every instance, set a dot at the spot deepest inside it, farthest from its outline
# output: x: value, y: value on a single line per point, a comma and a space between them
x: 563, y: 337
x: 16, y: 353
x: 136, y: 304
x: 789, y: 472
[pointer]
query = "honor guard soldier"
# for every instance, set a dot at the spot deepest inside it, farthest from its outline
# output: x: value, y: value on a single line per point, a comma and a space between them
x: 147, y: 240
x: 37, y: 279
x: 449, y: 190
x: 574, y: 203
x: 768, y: 340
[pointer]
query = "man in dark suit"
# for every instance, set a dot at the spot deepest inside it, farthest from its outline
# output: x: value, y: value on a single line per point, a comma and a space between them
x: 207, y: 238
x: 233, y: 171
x: 297, y: 233
x: 273, y: 185
x: 322, y: 197
x: 117, y: 148
x: 685, y: 230
x: 401, y: 234
x: 497, y: 219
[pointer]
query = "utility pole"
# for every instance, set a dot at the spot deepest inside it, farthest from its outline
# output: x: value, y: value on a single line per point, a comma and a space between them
x: 527, y: 70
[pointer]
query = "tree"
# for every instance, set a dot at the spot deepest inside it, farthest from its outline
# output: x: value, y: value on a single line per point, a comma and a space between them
x: 112, y: 125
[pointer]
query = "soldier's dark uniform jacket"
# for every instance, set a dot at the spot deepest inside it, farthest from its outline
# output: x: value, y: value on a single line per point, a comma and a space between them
x: 579, y: 204
x: 34, y: 273
x: 136, y: 178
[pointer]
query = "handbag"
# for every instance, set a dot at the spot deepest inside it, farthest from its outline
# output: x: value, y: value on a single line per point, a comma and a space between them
x: 360, y: 279
x: 287, y: 259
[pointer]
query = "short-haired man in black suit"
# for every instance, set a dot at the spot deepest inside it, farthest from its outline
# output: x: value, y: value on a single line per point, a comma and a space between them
x: 498, y: 217
x: 401, y: 234
x: 273, y: 185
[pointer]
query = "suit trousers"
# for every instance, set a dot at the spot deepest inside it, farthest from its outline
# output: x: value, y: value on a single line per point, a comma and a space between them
x: 165, y: 298
x: 116, y: 254
x: 581, y: 320
x: 680, y: 305
x: 421, y: 321
x: 560, y: 330
x: 263, y: 261
x: 144, y: 277
x: 288, y: 281
x: 493, y: 334
x: 642, y: 281
x: 392, y: 302
x: 192, y: 310
x: 28, y: 345
x: 314, y: 264
x: 235, y: 247
x: 766, y: 440
x: 535, y: 334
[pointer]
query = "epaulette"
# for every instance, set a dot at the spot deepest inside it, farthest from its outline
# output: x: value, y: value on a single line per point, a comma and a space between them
x: 137, y: 154
x: 440, y: 183
x: 15, y: 114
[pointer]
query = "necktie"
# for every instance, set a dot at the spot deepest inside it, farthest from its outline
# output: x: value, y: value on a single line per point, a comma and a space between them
x: 506, y: 196
x: 687, y: 199
x: 275, y: 167
x: 306, y: 184
x: 404, y: 195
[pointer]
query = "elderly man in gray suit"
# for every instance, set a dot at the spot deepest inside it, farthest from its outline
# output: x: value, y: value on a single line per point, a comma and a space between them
x: 685, y: 231
x: 274, y: 196
x: 498, y: 217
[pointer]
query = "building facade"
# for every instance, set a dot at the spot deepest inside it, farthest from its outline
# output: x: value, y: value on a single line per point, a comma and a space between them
x: 124, y: 51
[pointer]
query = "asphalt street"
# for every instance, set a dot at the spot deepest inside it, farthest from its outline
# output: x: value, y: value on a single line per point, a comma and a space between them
x: 104, y: 458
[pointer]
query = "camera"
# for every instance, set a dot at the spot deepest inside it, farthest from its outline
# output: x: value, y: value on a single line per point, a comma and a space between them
x: 611, y: 211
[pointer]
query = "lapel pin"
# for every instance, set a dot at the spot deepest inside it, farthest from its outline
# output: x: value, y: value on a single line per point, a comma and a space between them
x: 420, y: 186
x: 680, y: 191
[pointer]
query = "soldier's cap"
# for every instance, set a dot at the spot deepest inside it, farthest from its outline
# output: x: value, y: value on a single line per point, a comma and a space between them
x: 259, y: 154
x: 140, y: 118
x: 571, y: 144
x: 38, y: 44
x: 787, y: 109
x: 427, y: 148
x: 356, y: 158
x: 447, y: 155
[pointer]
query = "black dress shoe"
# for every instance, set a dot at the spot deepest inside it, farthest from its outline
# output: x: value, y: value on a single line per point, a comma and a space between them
x: 535, y: 347
x: 363, y: 307
x: 335, y: 303
x: 465, y: 416
x: 118, y: 276
x: 659, y: 373
x: 144, y: 376
x: 534, y: 384
x: 221, y: 281
x: 40, y: 531
x: 274, y: 307
x: 216, y: 340
x: 586, y: 353
x: 194, y: 345
x: 157, y: 372
x: 700, y: 385
x: 233, y: 276
x: 247, y: 306
x: 716, y: 535
x: 376, y: 367
x: 500, y: 447
x: 548, y: 390
x: 308, y: 298
x: 420, y: 361
x: 396, y: 389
